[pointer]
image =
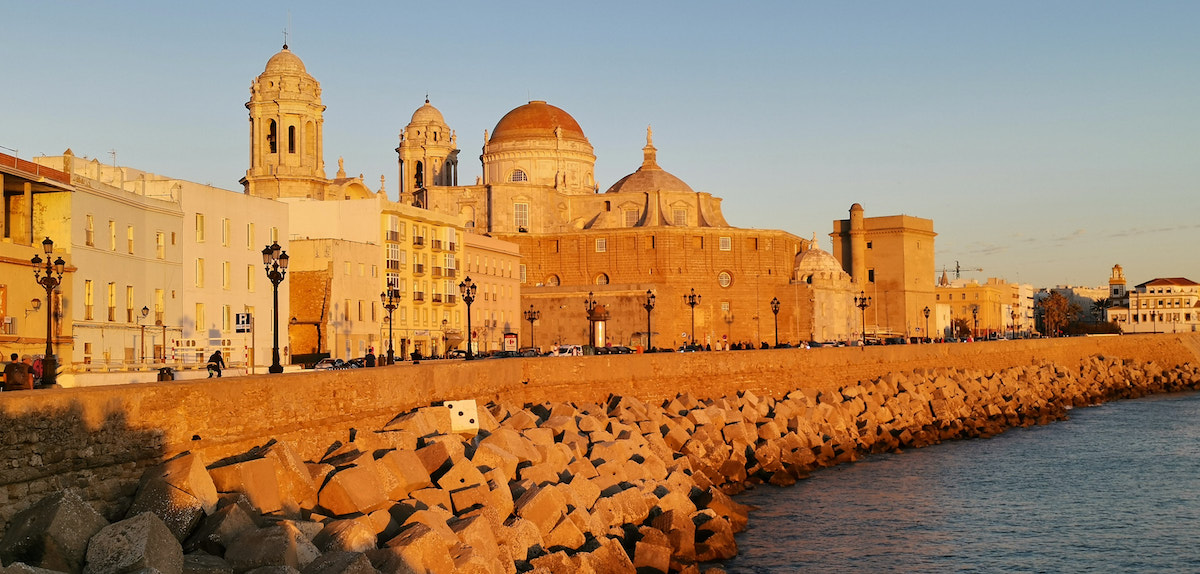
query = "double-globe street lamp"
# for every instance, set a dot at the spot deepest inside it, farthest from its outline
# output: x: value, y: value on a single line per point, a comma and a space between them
x: 51, y: 279
x: 275, y: 261
x: 145, y: 313
x: 649, y: 306
x: 775, y: 311
x: 467, y: 290
x: 589, y: 304
x: 691, y: 300
x: 532, y: 315
x: 927, y: 333
x: 390, y: 299
x: 862, y: 301
x: 975, y: 314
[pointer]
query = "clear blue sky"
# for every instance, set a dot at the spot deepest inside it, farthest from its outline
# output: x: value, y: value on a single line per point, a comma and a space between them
x: 1046, y: 140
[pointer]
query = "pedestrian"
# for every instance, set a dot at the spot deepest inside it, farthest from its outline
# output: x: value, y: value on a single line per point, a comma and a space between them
x: 369, y: 360
x: 35, y: 370
x: 215, y: 364
x: 16, y: 376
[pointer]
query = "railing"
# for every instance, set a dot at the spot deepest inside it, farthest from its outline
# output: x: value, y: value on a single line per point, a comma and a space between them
x: 437, y: 271
x: 394, y: 236
x: 36, y: 169
x: 419, y: 269
x: 451, y: 298
x: 418, y: 296
x: 451, y: 246
x: 437, y: 297
x: 437, y: 244
x: 393, y: 264
x: 448, y: 273
x: 418, y: 241
x: 112, y: 313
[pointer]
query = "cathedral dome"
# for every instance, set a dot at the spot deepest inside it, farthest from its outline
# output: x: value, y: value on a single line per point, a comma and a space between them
x: 427, y: 114
x: 649, y: 177
x: 816, y: 261
x: 285, y: 62
x: 537, y: 119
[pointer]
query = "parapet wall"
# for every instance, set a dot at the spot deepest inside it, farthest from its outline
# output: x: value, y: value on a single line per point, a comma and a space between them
x: 100, y: 439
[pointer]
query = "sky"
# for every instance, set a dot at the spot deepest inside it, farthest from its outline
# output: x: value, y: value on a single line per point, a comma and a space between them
x: 1047, y: 141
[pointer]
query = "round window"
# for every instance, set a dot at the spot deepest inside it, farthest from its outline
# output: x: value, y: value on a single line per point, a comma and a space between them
x: 725, y: 279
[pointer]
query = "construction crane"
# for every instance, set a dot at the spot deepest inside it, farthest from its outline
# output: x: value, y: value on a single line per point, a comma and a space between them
x: 958, y: 269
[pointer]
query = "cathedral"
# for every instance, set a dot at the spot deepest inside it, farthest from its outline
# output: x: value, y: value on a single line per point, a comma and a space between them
x: 647, y: 240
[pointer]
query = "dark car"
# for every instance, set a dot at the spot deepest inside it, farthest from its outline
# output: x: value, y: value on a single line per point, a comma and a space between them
x: 504, y: 355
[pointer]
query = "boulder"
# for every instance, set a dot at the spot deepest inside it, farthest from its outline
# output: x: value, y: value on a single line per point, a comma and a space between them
x: 407, y: 471
x: 296, y: 487
x: 254, y: 478
x: 218, y: 530
x: 201, y: 563
x: 544, y: 506
x: 179, y: 491
x: 52, y: 534
x: 345, y: 536
x: 353, y: 489
x: 280, y: 545
x: 141, y: 542
x: 418, y: 548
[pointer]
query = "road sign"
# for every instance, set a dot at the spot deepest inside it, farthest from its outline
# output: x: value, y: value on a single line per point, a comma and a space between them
x: 241, y: 323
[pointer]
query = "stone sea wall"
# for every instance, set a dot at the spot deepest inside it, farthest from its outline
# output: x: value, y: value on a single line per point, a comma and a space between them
x: 604, y: 463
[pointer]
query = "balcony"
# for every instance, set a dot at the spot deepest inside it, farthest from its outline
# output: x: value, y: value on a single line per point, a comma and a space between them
x: 419, y: 269
x: 418, y: 241
x: 451, y: 299
x: 437, y: 271
x: 437, y: 297
x: 448, y: 273
x: 437, y: 244
x: 418, y: 296
x: 393, y: 265
x: 451, y: 246
x: 112, y: 313
x: 394, y: 236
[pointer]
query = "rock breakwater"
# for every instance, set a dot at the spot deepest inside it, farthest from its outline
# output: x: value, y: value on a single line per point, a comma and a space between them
x: 615, y: 486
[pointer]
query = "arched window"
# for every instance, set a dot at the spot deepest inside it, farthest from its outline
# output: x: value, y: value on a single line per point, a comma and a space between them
x: 291, y: 139
x: 272, y: 136
x: 419, y: 174
x: 552, y: 280
x: 602, y: 279
x: 468, y: 213
x: 518, y: 175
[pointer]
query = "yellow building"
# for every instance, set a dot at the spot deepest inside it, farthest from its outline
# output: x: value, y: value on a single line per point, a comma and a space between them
x: 994, y: 307
x: 1160, y: 305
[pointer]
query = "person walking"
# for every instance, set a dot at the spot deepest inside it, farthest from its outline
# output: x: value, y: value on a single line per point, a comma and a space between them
x: 369, y: 360
x: 215, y: 364
x: 16, y: 376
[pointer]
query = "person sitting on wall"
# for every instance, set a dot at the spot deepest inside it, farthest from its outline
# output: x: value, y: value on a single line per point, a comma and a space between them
x: 16, y: 376
x: 369, y: 360
x: 215, y: 364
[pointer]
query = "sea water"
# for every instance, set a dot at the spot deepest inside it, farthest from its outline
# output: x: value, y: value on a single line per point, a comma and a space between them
x: 1116, y: 488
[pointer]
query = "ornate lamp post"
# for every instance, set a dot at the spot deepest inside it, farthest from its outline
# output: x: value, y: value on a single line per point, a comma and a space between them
x: 590, y: 305
x: 775, y: 311
x: 275, y: 262
x: 975, y: 313
x: 467, y: 290
x: 649, y: 306
x: 691, y: 300
x: 926, y: 312
x: 390, y: 299
x: 532, y: 315
x: 51, y: 279
x: 1153, y: 321
x: 862, y: 301
x: 1014, y: 323
x: 145, y: 312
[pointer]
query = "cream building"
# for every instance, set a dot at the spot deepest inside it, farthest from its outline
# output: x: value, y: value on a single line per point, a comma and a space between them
x: 1161, y: 305
x: 993, y: 308
x: 495, y: 267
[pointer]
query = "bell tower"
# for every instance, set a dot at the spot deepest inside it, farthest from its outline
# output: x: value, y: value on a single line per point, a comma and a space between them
x: 428, y: 153
x: 286, y: 139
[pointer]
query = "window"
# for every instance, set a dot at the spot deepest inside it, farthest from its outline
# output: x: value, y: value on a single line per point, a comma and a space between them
x: 360, y: 310
x: 518, y: 175
x: 200, y: 272
x: 724, y: 279
x: 129, y: 239
x: 160, y: 245
x: 249, y: 236
x: 225, y: 232
x: 521, y: 216
x: 601, y: 245
x: 129, y: 318
x: 272, y: 136
x: 90, y: 233
x: 250, y: 278
x: 870, y: 275
x: 112, y: 301
x: 87, y: 299
x: 869, y: 244
x: 552, y: 280
x: 199, y: 228
x: 522, y: 273
x: 200, y: 324
x: 225, y: 275
x: 274, y: 235
x: 602, y: 279
x: 112, y: 235
x: 226, y: 318
x: 679, y: 216
x: 725, y: 243
x: 291, y: 139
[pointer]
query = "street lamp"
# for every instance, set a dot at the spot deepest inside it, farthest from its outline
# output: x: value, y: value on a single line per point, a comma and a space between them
x: 445, y: 341
x: 467, y: 290
x: 862, y: 301
x: 390, y: 299
x: 590, y: 305
x: 532, y: 315
x: 275, y: 262
x: 775, y: 311
x: 649, y: 306
x: 1014, y: 323
x: 926, y: 312
x: 975, y: 313
x: 51, y: 279
x: 145, y: 312
x: 691, y: 300
x: 1154, y: 315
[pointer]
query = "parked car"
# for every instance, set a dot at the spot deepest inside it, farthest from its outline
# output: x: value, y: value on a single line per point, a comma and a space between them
x: 329, y: 363
x: 356, y: 363
x: 505, y: 355
x: 457, y: 354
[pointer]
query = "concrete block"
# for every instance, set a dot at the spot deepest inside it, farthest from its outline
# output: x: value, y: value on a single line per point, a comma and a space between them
x: 464, y: 416
x: 340, y: 562
x: 580, y: 492
x: 353, y: 489
x: 52, y: 534
x: 433, y: 497
x: 470, y: 560
x: 539, y: 436
x: 201, y: 563
x: 218, y: 530
x: 566, y: 534
x: 544, y: 506
x: 540, y: 473
x: 651, y: 558
x: 351, y: 535
x: 418, y: 548
x: 478, y: 532
x: 436, y: 458
x: 296, y: 488
x: 462, y: 473
x: 609, y: 558
x: 680, y: 532
x: 492, y: 456
x: 464, y: 498
x: 519, y: 421
x: 519, y: 535
x: 254, y: 478
x: 714, y: 537
x: 141, y: 542
x: 280, y: 545
x: 407, y: 471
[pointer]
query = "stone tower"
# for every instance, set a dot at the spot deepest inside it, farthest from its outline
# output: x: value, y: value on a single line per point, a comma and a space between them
x: 1116, y: 284
x: 286, y: 119
x: 428, y: 154
x: 858, y: 245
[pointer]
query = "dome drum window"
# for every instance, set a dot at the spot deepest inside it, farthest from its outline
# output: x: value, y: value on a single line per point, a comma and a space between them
x: 518, y: 175
x: 602, y: 279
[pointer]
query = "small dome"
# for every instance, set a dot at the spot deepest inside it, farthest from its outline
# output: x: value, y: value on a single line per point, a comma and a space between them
x: 537, y: 119
x: 427, y: 114
x: 649, y: 177
x: 815, y: 261
x: 285, y: 62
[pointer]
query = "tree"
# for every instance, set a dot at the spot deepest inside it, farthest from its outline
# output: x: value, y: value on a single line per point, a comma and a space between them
x: 1056, y: 311
x: 961, y: 328
x: 1098, y: 309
